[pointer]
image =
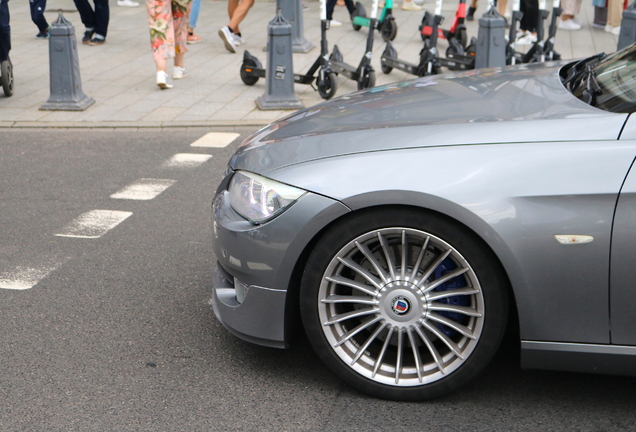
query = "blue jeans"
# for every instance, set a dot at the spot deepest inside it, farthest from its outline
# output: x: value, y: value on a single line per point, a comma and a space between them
x: 37, y: 14
x: 194, y: 13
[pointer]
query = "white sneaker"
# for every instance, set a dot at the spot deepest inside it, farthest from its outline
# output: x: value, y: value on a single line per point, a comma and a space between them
x: 228, y: 38
x: 127, y: 3
x: 238, y: 40
x: 613, y: 29
x: 163, y: 80
x: 526, y: 39
x: 334, y: 23
x: 569, y: 24
x: 179, y: 72
x: 410, y: 6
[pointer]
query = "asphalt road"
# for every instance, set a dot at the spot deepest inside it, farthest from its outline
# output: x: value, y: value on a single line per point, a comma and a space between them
x: 116, y: 333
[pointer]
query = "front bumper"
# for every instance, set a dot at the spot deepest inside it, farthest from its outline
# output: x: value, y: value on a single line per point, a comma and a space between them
x: 262, y: 257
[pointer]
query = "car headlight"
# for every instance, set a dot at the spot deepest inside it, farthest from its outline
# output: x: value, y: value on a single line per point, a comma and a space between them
x: 260, y: 199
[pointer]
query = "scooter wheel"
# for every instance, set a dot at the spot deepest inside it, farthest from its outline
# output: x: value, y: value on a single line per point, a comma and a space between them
x: 463, y: 37
x: 327, y: 86
x: 367, y: 80
x: 246, y: 75
x: 390, y: 52
x: 361, y: 12
x: 388, y: 30
x: 6, y: 76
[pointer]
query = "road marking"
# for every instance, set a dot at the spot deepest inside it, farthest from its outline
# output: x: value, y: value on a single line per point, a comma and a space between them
x: 94, y: 224
x: 186, y: 160
x: 25, y: 277
x: 215, y: 139
x: 144, y: 189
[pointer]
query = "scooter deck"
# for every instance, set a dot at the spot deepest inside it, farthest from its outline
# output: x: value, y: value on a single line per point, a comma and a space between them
x: 345, y: 69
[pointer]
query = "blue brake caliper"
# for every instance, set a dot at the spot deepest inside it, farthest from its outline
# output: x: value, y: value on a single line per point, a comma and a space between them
x: 457, y: 282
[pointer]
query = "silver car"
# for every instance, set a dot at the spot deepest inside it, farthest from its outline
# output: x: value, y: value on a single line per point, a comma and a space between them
x: 404, y: 226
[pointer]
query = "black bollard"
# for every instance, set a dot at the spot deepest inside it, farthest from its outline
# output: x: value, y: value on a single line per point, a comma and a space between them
x: 66, y: 84
x: 627, y: 35
x: 491, y: 40
x: 280, y: 69
x: 293, y: 12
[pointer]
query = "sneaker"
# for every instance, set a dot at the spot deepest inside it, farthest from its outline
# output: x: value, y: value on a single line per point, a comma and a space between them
x: 97, y: 40
x: 334, y: 23
x: 228, y: 38
x: 179, y: 72
x: 44, y: 34
x: 526, y: 39
x: 410, y: 6
x: 238, y: 39
x: 192, y: 38
x: 569, y: 24
x: 163, y: 80
x: 598, y: 25
x: 127, y: 3
x: 88, y: 35
x: 613, y: 29
x: 470, y: 15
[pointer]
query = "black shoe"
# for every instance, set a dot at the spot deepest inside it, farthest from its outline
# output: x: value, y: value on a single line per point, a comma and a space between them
x: 44, y: 34
x: 470, y: 15
x: 87, y: 37
x: 97, y: 41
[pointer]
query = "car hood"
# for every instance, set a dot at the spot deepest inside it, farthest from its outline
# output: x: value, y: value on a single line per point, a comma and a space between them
x: 525, y: 103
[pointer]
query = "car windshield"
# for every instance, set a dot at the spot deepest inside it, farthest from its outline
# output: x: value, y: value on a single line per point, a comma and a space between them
x: 608, y: 82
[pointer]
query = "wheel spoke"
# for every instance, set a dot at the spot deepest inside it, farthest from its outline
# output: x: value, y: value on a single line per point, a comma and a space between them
x: 444, y: 338
x: 420, y: 257
x: 431, y: 297
x: 361, y: 271
x: 364, y: 347
x: 416, y: 354
x: 454, y: 308
x: 449, y: 276
x: 345, y: 337
x: 378, y: 361
x: 354, y: 314
x: 387, y: 255
x: 452, y: 324
x: 349, y: 299
x: 432, y: 268
x: 405, y: 247
x: 374, y: 261
x: 341, y: 280
x: 432, y: 350
x: 398, y: 365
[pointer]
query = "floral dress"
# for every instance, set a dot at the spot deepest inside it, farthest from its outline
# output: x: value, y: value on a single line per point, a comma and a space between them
x: 168, y: 27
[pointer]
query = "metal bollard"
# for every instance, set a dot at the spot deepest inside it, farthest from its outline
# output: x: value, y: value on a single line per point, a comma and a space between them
x: 66, y: 84
x: 280, y: 69
x: 627, y: 35
x: 491, y: 40
x: 293, y: 12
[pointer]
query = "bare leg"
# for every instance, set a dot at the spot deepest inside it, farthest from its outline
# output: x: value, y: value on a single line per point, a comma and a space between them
x: 161, y: 64
x: 239, y: 13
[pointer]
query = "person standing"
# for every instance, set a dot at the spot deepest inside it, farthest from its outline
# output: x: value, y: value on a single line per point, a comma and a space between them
x: 169, y: 37
x: 331, y: 4
x: 95, y: 20
x: 37, y: 16
x: 571, y: 8
x: 614, y: 16
x: 194, y: 17
x: 230, y: 34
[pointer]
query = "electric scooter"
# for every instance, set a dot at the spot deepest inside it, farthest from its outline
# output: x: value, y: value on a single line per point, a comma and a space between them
x: 430, y: 63
x: 320, y: 70
x: 513, y: 57
x: 385, y: 24
x: 543, y: 50
x: 457, y: 29
x: 364, y: 74
x: 6, y: 77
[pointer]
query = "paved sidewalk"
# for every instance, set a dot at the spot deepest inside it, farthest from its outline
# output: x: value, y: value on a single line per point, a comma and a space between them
x: 120, y: 74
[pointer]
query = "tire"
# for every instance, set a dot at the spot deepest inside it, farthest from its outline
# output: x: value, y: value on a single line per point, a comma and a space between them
x: 389, y: 51
x: 361, y: 12
x: 327, y: 86
x: 462, y: 37
x: 248, y: 63
x: 389, y: 29
x: 416, y: 329
x: 454, y: 47
x: 367, y: 80
x: 6, y: 76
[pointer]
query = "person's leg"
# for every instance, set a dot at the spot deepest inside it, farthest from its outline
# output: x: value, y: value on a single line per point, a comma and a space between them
x: 37, y: 14
x: 240, y: 12
x: 231, y: 7
x: 102, y: 17
x: 470, y: 14
x: 87, y: 15
x: 5, y: 30
x: 351, y: 6
x: 161, y: 38
x: 180, y: 19
x: 614, y: 16
x: 194, y: 13
x: 331, y: 4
